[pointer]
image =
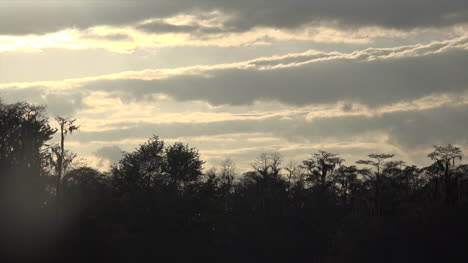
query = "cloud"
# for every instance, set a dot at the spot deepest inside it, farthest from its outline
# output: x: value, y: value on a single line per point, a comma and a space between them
x: 63, y: 104
x: 109, y: 37
x: 58, y: 103
x: 42, y: 16
x: 111, y: 153
x: 198, y: 24
x: 371, y: 82
x: 372, y: 77
x: 204, y: 72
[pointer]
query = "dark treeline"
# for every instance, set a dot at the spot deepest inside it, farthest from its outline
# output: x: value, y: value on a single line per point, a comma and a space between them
x: 158, y: 204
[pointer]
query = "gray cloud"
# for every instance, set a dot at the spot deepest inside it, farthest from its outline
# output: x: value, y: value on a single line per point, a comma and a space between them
x: 111, y: 153
x: 372, y: 77
x: 371, y: 82
x: 24, y: 17
x: 58, y: 103
x: 58, y: 63
x: 160, y: 27
x: 14, y: 94
x: 64, y: 104
x: 110, y: 37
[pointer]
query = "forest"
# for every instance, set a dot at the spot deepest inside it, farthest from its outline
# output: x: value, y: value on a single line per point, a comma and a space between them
x: 160, y: 204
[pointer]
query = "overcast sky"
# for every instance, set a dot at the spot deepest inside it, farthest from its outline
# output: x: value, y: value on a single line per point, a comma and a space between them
x: 238, y: 78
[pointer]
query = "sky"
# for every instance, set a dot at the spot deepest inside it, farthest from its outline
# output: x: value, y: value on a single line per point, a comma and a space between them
x: 238, y: 78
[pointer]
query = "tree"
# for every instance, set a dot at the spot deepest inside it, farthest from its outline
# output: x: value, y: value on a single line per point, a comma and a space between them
x: 447, y: 154
x: 153, y: 165
x: 66, y: 126
x: 228, y: 173
x: 66, y: 161
x: 24, y: 132
x: 267, y: 164
x: 445, y: 157
x: 320, y: 166
x: 141, y: 169
x: 275, y: 164
x: 183, y: 165
x: 84, y: 189
x: 346, y: 178
x: 261, y: 164
x: 293, y: 170
x: 377, y: 162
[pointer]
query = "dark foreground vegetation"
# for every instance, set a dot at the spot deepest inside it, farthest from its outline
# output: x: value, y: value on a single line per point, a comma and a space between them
x: 158, y: 205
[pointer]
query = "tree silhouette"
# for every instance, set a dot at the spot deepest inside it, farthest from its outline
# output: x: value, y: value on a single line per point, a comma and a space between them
x: 66, y: 126
x: 158, y: 202
x: 228, y: 173
x: 445, y: 157
x: 24, y: 132
x: 320, y: 167
x: 183, y: 164
x: 347, y: 181
x: 267, y: 165
x: 377, y: 162
x: 294, y: 171
x: 141, y: 169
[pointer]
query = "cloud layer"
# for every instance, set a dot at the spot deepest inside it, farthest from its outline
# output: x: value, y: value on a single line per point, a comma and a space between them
x: 236, y: 78
x: 373, y: 77
x: 43, y: 16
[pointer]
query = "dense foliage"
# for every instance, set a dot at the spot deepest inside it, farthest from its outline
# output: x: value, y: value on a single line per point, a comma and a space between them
x: 157, y: 203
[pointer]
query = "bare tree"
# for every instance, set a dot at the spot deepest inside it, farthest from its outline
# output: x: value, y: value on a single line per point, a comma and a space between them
x: 267, y: 164
x: 262, y: 164
x: 293, y: 172
x: 275, y: 163
x: 228, y: 172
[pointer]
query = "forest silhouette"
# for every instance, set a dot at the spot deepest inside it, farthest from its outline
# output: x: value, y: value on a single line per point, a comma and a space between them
x: 159, y: 204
